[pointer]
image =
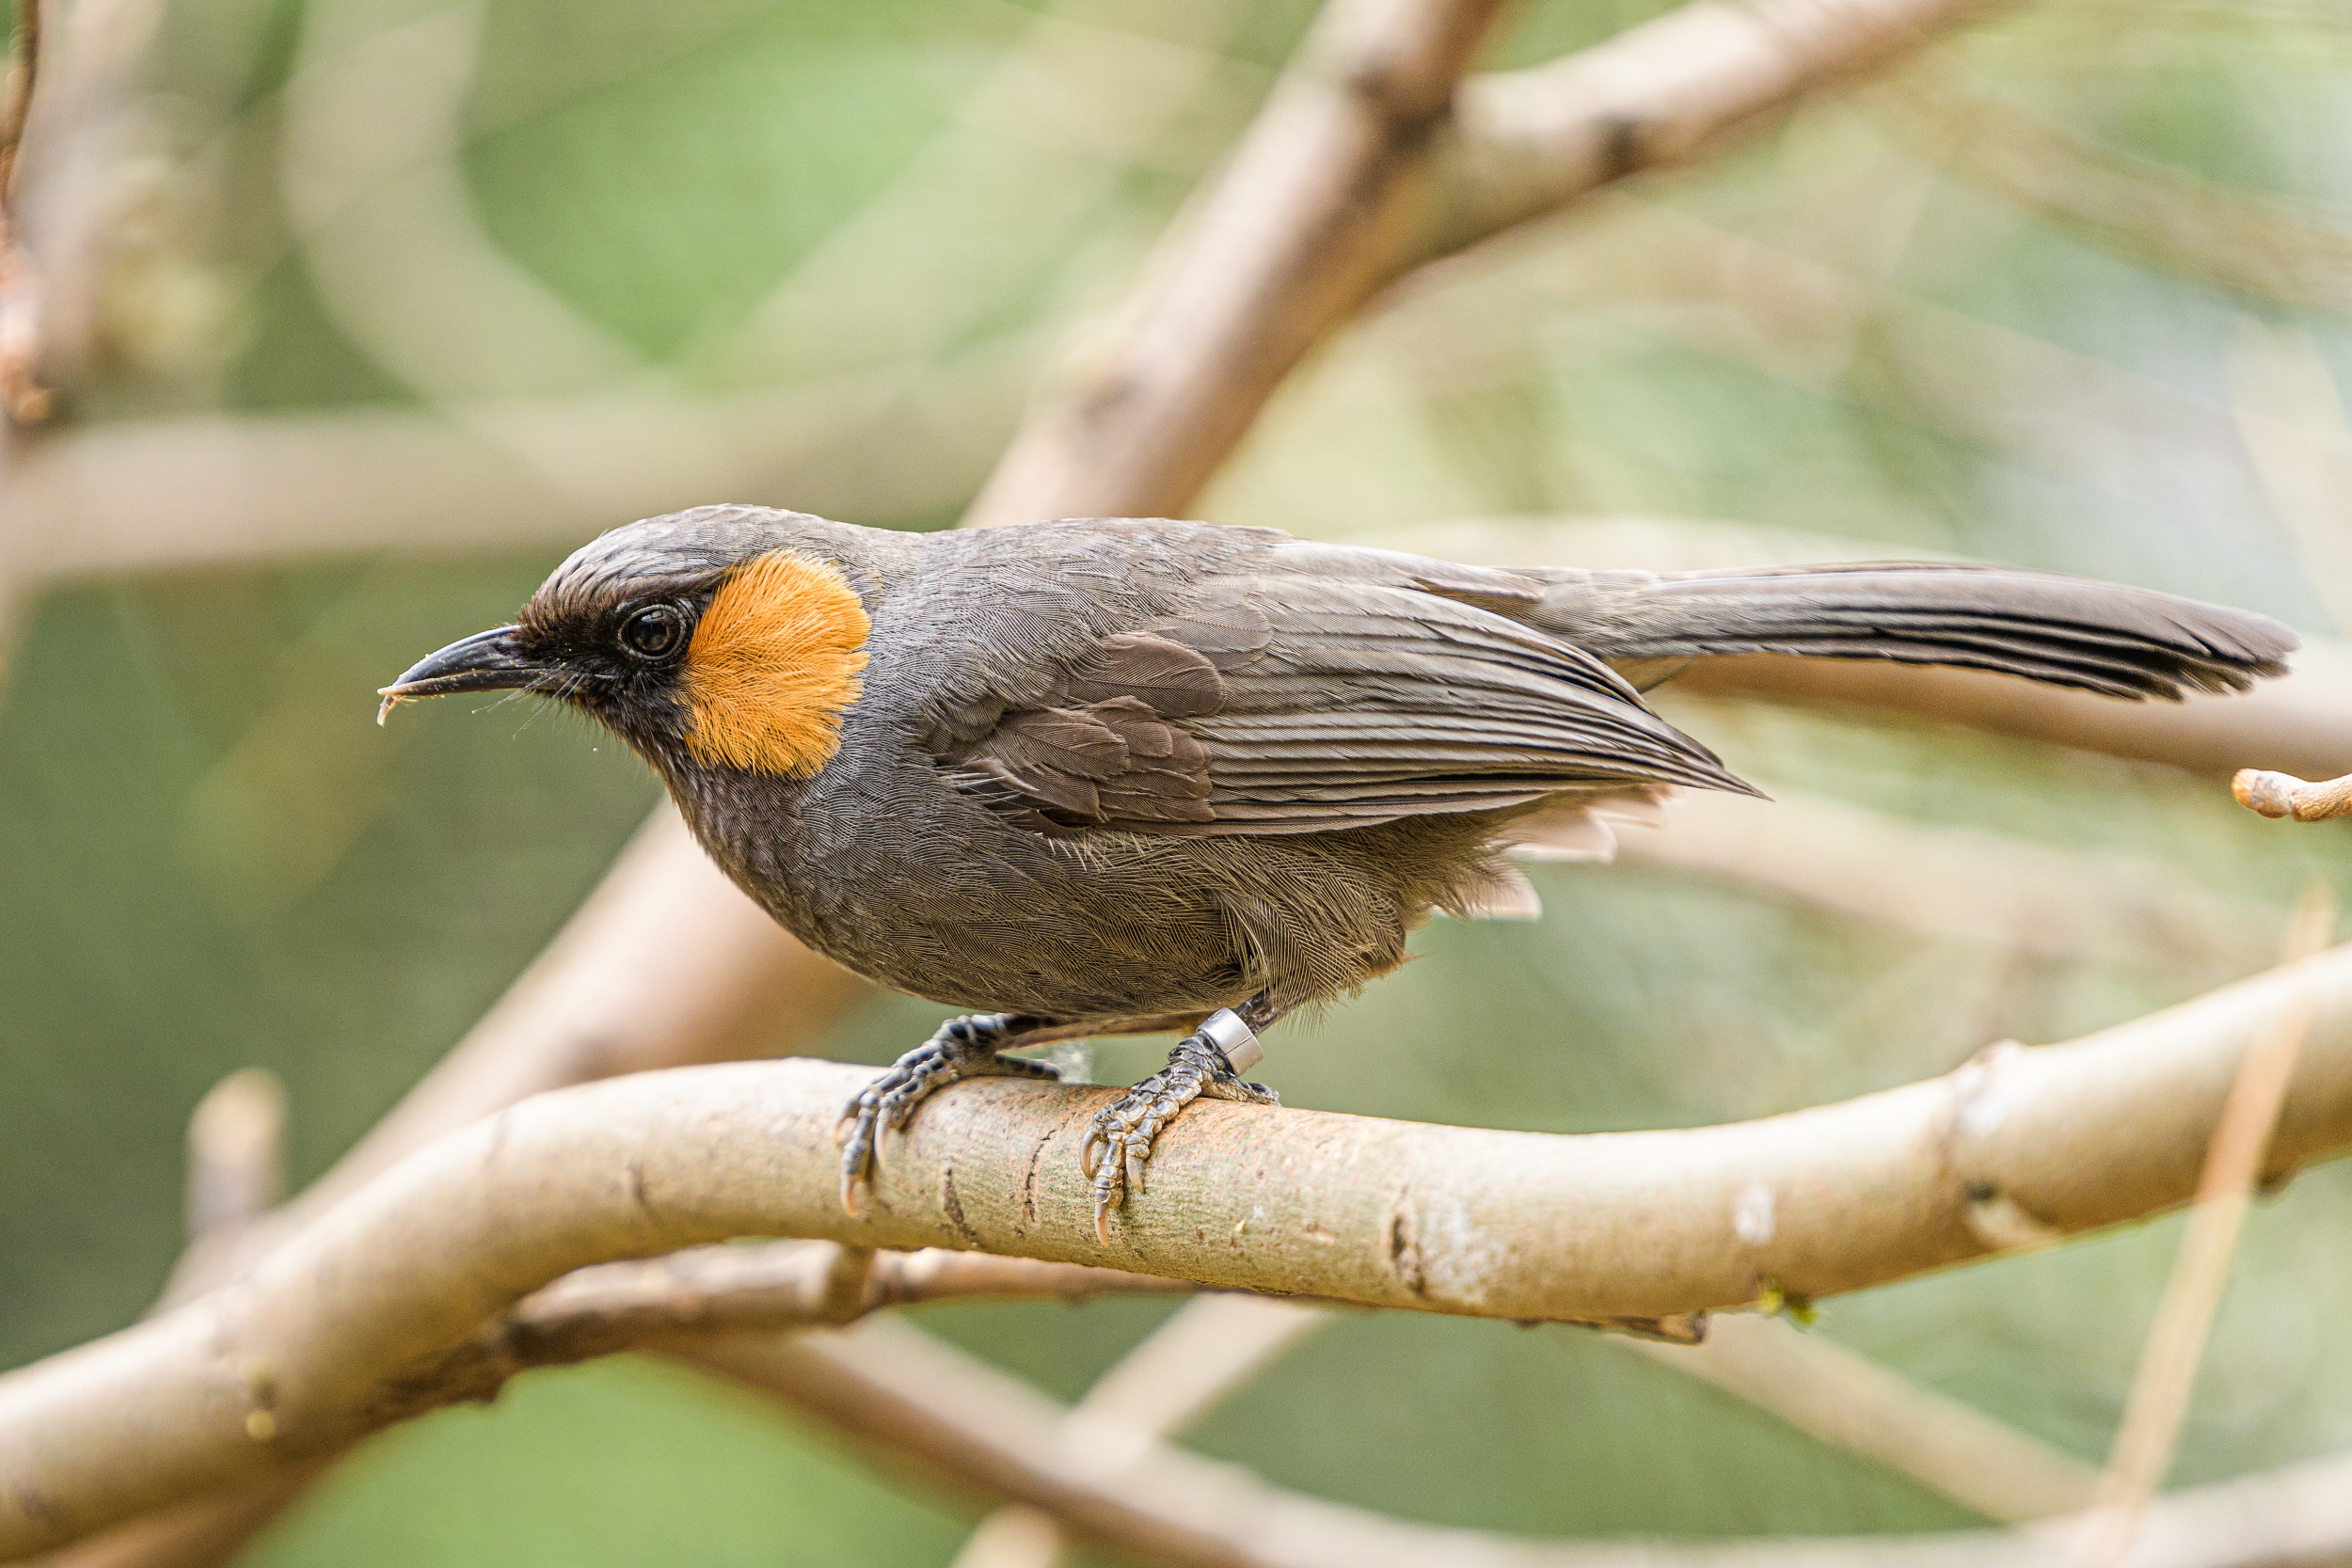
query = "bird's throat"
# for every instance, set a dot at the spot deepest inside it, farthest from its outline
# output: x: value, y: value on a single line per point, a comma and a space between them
x: 773, y: 663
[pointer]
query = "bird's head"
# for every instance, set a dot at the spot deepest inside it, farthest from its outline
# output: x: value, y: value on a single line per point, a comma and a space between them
x: 725, y: 637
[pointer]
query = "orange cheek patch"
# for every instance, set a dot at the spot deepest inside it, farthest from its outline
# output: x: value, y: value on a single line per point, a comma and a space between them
x: 773, y: 663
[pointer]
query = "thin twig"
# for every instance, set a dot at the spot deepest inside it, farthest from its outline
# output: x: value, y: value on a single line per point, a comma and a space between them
x: 2176, y: 1342
x: 236, y: 1154
x: 2278, y: 795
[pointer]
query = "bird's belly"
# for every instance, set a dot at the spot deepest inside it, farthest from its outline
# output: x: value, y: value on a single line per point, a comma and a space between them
x: 942, y: 899
x: 1056, y: 945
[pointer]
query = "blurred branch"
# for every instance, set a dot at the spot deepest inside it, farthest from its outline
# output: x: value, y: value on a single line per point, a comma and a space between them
x: 1851, y: 1402
x: 2284, y: 795
x: 1379, y: 166
x: 22, y: 395
x: 84, y: 133
x: 1527, y: 142
x: 608, y: 1307
x: 1283, y: 247
x: 908, y: 1399
x: 1967, y: 883
x: 373, y: 136
x: 144, y: 495
x: 200, y: 1533
x: 2151, y: 1428
x: 2264, y: 249
x: 1193, y: 1362
x: 326, y: 1337
x: 236, y: 1153
x: 2291, y: 417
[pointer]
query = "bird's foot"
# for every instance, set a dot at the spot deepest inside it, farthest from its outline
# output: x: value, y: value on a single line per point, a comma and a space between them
x: 965, y: 1047
x: 1120, y: 1143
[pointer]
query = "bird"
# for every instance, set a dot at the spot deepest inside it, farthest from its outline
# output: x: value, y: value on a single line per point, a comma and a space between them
x: 1115, y: 775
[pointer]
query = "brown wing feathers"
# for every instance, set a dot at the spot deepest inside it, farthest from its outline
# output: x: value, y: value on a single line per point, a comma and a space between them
x: 1310, y: 707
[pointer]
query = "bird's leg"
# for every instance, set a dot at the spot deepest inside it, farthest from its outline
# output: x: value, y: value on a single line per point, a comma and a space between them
x: 1124, y: 1131
x: 965, y: 1047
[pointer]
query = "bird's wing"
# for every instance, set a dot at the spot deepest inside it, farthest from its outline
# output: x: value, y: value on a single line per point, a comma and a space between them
x: 1287, y: 704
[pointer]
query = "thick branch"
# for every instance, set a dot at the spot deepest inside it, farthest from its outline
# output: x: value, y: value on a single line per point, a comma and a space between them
x: 322, y: 1338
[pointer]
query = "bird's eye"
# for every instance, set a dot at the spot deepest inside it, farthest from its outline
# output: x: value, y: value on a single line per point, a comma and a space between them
x: 654, y: 634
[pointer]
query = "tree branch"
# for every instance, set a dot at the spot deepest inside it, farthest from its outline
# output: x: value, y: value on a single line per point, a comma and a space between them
x: 907, y: 1397
x: 1850, y: 1400
x: 236, y: 1153
x: 1213, y: 1346
x: 1969, y: 884
x: 2282, y: 795
x: 2250, y: 244
x: 1527, y: 142
x: 1283, y: 246
x: 325, y: 1338
x: 21, y: 396
x: 609, y: 1307
x: 537, y: 1036
x: 667, y: 963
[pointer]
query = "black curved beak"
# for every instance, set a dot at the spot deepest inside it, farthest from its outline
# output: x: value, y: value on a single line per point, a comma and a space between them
x: 487, y: 661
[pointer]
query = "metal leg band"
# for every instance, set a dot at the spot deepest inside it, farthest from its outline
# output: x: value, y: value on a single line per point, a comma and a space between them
x: 1235, y: 1040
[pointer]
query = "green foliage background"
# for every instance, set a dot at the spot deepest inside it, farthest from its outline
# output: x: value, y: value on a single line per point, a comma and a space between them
x: 209, y: 858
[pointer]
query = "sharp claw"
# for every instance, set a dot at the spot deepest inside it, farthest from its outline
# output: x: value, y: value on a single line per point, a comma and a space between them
x: 1103, y: 1222
x: 848, y: 1194
x: 1090, y: 1156
x: 1134, y: 1169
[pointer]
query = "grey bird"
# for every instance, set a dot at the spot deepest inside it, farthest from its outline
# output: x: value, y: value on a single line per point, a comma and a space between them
x: 1119, y: 775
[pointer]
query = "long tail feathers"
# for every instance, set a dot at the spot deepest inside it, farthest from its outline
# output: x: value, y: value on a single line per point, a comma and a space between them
x: 2128, y: 642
